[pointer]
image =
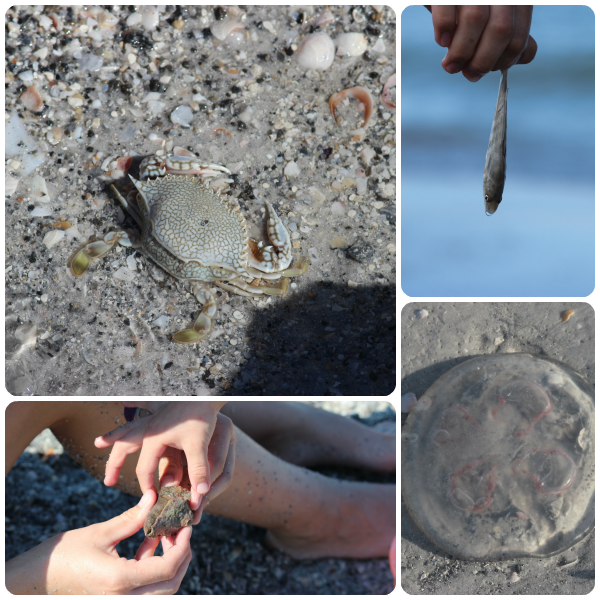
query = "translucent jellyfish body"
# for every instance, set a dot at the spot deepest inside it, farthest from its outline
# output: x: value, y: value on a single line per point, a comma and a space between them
x: 498, y: 458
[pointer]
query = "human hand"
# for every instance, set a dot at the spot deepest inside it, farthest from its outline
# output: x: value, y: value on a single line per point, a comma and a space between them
x: 172, y: 427
x: 85, y: 561
x: 481, y: 39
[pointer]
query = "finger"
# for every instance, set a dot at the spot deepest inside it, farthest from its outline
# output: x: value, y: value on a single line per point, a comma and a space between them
x: 196, y: 454
x: 166, y: 587
x: 168, y: 541
x: 109, y: 533
x: 529, y: 52
x: 148, y: 462
x: 121, y: 450
x: 471, y: 23
x: 222, y: 482
x: 108, y: 439
x: 444, y: 24
x: 160, y: 569
x: 523, y: 45
x: 147, y: 548
x: 496, y: 38
x: 170, y: 467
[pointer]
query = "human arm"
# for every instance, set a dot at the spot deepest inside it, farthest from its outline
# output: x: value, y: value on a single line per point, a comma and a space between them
x: 86, y: 557
x: 85, y: 561
x: 481, y: 39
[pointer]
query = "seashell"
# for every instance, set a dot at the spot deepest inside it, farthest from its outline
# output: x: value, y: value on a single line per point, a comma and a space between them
x: 40, y: 211
x: 350, y: 44
x: 123, y: 163
x: 324, y: 18
x: 53, y: 237
x: 358, y: 16
x: 32, y: 100
x: 359, y: 93
x: 38, y: 188
x: 222, y: 29
x: 421, y: 313
x: 386, y: 95
x: 566, y: 315
x: 10, y: 185
x: 408, y: 402
x: 316, y: 51
x: 514, y: 577
x: 565, y: 565
x: 171, y: 512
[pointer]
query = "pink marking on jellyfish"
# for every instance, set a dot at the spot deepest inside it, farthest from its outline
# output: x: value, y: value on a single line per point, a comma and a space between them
x: 442, y: 436
x: 536, y: 480
x: 501, y: 403
x: 526, y: 431
x: 490, y: 488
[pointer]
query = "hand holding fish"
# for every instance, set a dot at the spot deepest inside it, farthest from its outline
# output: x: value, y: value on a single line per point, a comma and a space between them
x: 481, y: 39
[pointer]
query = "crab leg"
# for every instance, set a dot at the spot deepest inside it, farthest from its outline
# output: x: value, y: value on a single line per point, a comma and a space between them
x: 203, y: 323
x: 241, y: 288
x: 84, y: 257
x: 180, y: 165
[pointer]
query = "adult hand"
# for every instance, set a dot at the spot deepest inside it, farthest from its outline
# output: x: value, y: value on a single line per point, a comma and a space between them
x: 183, y: 426
x: 481, y: 39
x: 85, y: 561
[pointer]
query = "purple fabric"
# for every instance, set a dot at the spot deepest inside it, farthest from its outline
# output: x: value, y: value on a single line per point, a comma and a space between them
x: 130, y: 413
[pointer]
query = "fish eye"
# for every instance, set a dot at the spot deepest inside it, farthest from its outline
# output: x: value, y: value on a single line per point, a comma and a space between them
x: 486, y: 197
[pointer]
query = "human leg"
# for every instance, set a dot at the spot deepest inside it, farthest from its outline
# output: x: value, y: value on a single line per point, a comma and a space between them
x: 308, y: 436
x: 307, y: 515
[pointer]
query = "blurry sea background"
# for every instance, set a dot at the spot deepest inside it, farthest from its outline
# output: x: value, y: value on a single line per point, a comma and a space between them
x: 540, y: 241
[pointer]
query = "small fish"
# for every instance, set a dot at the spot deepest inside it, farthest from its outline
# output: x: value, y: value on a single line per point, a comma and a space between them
x: 494, y: 173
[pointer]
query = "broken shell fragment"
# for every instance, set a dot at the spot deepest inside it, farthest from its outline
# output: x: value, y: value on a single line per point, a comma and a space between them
x: 32, y: 100
x: 223, y: 29
x: 359, y: 93
x: 171, y: 512
x: 386, y: 95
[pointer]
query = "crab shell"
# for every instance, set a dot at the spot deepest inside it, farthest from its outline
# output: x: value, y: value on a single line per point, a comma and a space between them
x: 190, y: 231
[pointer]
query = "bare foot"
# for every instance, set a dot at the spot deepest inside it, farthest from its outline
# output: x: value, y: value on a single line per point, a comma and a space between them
x: 324, y: 438
x: 357, y: 520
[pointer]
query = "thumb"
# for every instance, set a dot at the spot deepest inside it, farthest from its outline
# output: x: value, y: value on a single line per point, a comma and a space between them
x: 128, y: 523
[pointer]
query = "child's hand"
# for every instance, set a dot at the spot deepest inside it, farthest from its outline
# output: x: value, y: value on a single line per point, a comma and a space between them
x: 197, y: 428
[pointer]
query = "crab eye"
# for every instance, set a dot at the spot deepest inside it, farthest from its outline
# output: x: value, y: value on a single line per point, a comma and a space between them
x: 486, y: 197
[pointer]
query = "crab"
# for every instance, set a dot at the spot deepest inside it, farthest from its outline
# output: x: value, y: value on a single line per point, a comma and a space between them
x: 190, y: 231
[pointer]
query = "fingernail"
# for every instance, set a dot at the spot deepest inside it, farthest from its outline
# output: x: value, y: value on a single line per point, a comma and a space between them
x: 202, y: 488
x: 453, y: 68
x: 145, y: 499
x: 97, y: 439
x: 472, y: 76
x: 445, y: 40
x: 167, y: 480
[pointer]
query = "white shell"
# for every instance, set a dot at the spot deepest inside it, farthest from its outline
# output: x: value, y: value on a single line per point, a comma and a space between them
x: 316, y: 51
x: 10, y: 185
x: 324, y: 18
x: 350, y: 44
x: 53, y: 237
x: 222, y: 29
x: 38, y: 189
x: 40, y: 211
